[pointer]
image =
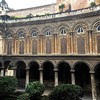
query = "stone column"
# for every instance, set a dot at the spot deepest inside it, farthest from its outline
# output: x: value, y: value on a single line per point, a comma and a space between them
x: 72, y: 76
x: 94, y: 94
x: 27, y: 76
x: 56, y: 76
x: 2, y: 71
x: 41, y: 75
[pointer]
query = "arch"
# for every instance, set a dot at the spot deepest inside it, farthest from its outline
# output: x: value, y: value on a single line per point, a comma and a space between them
x: 46, y: 61
x: 33, y: 71
x: 48, y: 28
x: 21, y: 73
x: 63, y: 26
x: 64, y: 75
x: 65, y: 62
x: 21, y: 30
x: 7, y: 62
x: 84, y: 25
x: 82, y: 76
x: 95, y: 65
x: 9, y: 32
x: 34, y: 29
x: 81, y: 62
x: 48, y: 74
x: 19, y: 61
x: 33, y: 61
x: 95, y: 23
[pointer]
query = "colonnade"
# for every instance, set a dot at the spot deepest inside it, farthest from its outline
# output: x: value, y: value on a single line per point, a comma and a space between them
x: 56, y: 78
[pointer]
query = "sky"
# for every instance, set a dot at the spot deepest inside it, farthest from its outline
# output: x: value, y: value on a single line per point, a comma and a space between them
x: 20, y: 4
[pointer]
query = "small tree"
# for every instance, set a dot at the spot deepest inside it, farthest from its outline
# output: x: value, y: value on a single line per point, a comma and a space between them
x: 92, y: 4
x: 61, y: 7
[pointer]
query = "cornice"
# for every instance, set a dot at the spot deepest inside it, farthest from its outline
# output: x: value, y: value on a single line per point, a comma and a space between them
x: 53, y: 20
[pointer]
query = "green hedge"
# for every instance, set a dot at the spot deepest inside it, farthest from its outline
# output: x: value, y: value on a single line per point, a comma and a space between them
x: 66, y: 92
x: 8, y: 85
x: 35, y: 89
x: 24, y: 96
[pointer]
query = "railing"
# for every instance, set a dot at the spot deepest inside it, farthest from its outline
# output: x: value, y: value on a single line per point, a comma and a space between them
x: 55, y: 15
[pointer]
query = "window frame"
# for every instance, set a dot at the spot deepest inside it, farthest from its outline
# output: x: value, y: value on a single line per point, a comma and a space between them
x: 98, y: 28
x: 80, y: 30
x: 21, y: 35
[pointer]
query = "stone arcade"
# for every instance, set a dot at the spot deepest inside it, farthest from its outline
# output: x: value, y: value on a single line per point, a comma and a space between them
x: 54, y: 49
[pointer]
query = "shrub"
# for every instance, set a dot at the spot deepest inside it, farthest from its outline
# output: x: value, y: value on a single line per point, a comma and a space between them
x: 66, y: 92
x: 92, y: 4
x: 8, y: 85
x: 35, y: 89
x: 24, y: 96
x: 45, y: 98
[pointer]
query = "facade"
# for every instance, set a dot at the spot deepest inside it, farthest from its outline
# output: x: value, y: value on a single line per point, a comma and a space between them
x: 54, y: 49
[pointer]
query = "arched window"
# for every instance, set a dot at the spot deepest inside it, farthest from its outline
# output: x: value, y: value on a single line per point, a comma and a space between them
x: 62, y: 31
x: 80, y: 30
x: 98, y: 28
x: 48, y: 33
x: 9, y: 36
x: 21, y: 35
x: 34, y: 33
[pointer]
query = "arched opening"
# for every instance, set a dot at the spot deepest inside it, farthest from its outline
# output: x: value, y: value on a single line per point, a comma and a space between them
x: 8, y: 65
x: 97, y: 78
x: 64, y: 75
x: 82, y: 77
x: 48, y: 74
x: 34, y: 71
x: 0, y: 68
x: 21, y: 74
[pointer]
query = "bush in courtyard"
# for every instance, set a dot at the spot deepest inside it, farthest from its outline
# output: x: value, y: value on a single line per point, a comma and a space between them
x: 8, y: 85
x: 35, y: 89
x: 24, y: 96
x: 66, y: 92
x: 44, y: 97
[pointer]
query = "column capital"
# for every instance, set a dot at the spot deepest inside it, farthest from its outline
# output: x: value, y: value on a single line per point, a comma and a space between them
x: 71, y: 32
x: 55, y: 33
x: 41, y: 34
x: 90, y: 31
x: 14, y: 68
x: 56, y: 69
x: 72, y: 71
x: 92, y: 72
x: 27, y: 68
x: 40, y: 69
